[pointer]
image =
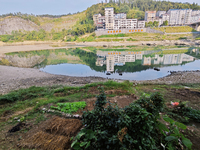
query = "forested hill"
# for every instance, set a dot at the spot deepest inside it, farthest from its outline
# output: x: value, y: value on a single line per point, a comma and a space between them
x: 69, y: 27
x: 145, y: 5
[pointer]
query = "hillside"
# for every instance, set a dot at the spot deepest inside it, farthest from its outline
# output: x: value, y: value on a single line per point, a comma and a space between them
x: 10, y: 24
x: 70, y: 28
x: 16, y: 23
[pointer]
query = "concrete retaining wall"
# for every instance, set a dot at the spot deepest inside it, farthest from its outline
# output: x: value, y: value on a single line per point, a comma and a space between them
x: 110, y: 32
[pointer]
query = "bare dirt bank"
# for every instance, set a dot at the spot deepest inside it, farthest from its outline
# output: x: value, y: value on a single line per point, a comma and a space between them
x: 13, y: 78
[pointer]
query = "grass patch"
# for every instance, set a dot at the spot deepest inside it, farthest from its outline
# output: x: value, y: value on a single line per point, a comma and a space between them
x: 131, y: 39
x: 40, y: 96
x: 176, y: 29
x: 124, y: 35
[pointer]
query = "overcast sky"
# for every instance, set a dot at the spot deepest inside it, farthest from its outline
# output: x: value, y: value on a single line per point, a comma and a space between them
x: 53, y: 7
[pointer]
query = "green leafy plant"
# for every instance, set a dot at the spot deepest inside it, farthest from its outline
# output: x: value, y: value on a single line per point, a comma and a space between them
x: 173, y: 136
x: 132, y: 127
x: 69, y: 107
x: 88, y: 135
x: 193, y: 114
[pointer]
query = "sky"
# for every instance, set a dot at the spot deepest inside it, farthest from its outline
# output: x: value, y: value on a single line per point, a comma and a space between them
x: 52, y: 7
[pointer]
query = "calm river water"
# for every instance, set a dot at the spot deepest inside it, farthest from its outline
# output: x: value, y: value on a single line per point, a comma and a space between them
x: 116, y: 64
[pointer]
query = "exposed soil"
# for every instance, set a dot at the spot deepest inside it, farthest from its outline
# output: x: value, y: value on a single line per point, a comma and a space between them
x: 193, y: 134
x: 174, y: 94
x: 193, y: 97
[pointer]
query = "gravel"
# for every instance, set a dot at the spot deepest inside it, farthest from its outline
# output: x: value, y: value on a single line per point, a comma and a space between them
x: 13, y: 78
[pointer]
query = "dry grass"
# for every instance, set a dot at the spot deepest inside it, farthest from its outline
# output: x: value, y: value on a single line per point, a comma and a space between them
x: 46, y: 141
x: 53, y: 134
x: 65, y: 127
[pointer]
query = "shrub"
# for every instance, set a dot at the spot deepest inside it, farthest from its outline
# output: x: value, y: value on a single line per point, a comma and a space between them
x: 133, y: 127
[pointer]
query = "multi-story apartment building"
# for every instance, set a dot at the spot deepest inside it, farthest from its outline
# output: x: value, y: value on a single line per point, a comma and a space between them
x: 160, y: 13
x: 150, y: 16
x: 141, y: 24
x: 96, y: 18
x: 125, y: 24
x: 179, y: 16
x: 120, y: 16
x: 101, y: 23
x: 116, y: 21
x: 109, y: 18
x: 195, y: 17
x: 173, y: 16
x: 164, y: 17
x: 195, y: 12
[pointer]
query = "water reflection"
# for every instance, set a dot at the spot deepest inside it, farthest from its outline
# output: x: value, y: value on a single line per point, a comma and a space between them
x: 131, y: 65
x: 115, y: 58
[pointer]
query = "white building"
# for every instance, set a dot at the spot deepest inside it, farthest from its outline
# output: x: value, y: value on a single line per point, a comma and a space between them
x: 141, y: 24
x: 101, y: 23
x: 116, y: 21
x: 160, y: 13
x: 109, y: 18
x: 120, y: 16
x: 179, y: 16
x: 195, y: 18
x: 165, y: 17
x: 150, y: 16
x: 96, y: 18
x: 195, y: 12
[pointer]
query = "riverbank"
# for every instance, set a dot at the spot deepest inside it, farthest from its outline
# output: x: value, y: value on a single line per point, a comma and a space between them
x: 23, y: 46
x: 13, y: 78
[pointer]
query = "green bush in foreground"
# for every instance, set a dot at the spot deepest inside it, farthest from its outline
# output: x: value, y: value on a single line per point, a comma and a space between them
x: 134, y: 127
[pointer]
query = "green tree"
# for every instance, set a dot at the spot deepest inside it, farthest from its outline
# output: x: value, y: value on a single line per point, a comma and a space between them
x: 124, y: 9
x: 155, y: 23
x: 165, y: 23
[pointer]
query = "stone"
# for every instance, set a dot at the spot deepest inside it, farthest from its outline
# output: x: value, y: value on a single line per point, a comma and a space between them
x: 16, y: 118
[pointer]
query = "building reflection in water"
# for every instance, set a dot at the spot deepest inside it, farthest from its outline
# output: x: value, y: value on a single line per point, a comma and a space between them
x: 168, y: 59
x: 116, y: 58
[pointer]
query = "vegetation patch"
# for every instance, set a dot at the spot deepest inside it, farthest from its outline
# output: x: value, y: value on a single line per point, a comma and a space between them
x: 69, y: 107
x: 176, y: 29
x: 134, y: 127
x: 152, y: 119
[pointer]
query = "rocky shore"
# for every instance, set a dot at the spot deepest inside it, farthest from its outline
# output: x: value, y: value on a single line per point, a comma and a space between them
x: 13, y: 78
